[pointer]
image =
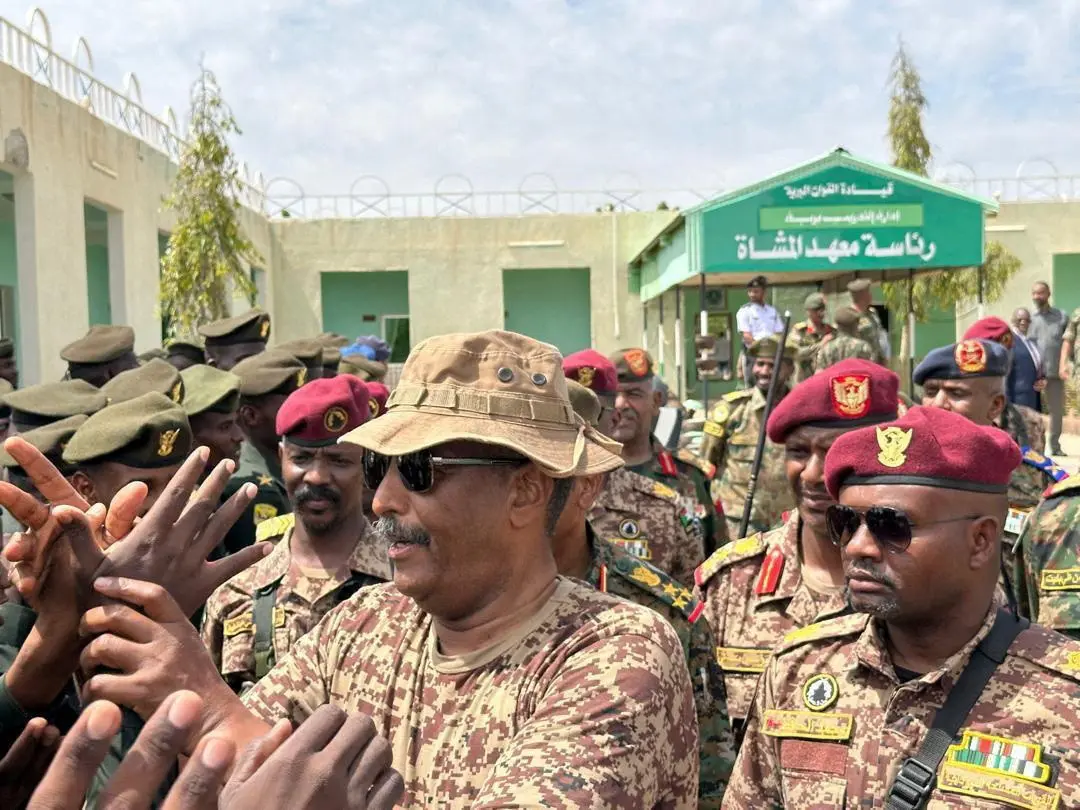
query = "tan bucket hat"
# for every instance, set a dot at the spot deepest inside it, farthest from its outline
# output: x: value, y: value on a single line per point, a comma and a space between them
x: 493, y: 387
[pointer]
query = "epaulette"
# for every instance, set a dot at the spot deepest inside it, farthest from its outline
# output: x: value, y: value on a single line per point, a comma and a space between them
x: 686, y: 457
x: 1044, y: 464
x: 742, y: 549
x: 1049, y: 650
x: 274, y: 527
x: 1064, y: 487
x: 656, y: 489
x: 836, y: 627
x: 659, y: 585
x: 736, y: 395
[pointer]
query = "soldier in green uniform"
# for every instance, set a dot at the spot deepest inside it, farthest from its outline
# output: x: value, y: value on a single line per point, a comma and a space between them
x: 810, y: 335
x: 51, y: 441
x: 40, y: 405
x: 581, y: 554
x: 184, y: 354
x: 9, y: 367
x: 636, y: 407
x: 231, y: 340
x: 212, y: 404
x: 266, y: 380
x: 309, y: 352
x: 845, y: 344
x: 730, y: 443
x: 152, y: 376
x: 101, y: 354
x: 870, y: 328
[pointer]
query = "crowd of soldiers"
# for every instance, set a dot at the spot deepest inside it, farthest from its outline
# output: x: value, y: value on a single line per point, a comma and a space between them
x: 239, y: 574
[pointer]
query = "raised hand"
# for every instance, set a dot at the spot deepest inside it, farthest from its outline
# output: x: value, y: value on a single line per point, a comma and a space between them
x: 25, y: 763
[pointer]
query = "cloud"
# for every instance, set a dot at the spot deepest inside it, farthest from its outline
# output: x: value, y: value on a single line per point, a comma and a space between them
x: 672, y: 94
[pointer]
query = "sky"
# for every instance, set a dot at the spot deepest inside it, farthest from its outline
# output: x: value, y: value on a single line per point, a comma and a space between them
x: 657, y: 94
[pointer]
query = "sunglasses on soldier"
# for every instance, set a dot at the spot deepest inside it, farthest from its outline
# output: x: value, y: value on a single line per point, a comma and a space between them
x: 890, y: 527
x: 417, y: 470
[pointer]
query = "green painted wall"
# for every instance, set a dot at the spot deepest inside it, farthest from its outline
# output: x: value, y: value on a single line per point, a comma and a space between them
x: 550, y: 305
x: 97, y: 284
x: 9, y: 277
x: 1065, y: 282
x: 354, y: 304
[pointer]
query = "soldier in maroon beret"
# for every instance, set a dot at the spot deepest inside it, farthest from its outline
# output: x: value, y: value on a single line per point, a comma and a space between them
x: 324, y: 551
x: 597, y: 373
x: 759, y: 588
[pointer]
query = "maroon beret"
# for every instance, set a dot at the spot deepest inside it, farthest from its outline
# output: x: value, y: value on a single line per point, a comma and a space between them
x: 323, y: 411
x: 990, y: 328
x: 926, y: 447
x: 593, y: 370
x: 379, y: 394
x: 848, y: 394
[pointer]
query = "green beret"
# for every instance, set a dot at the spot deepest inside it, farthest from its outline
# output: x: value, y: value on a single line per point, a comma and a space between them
x: 251, y: 327
x: 632, y: 365
x: 183, y: 348
x: 309, y: 352
x: 50, y: 440
x: 360, y: 366
x: 7, y: 348
x: 102, y: 344
x: 847, y: 317
x: 44, y: 404
x: 155, y: 375
x: 584, y: 402
x: 146, y: 432
x: 270, y: 372
x: 210, y: 389
x: 814, y: 301
x: 765, y: 348
x: 858, y: 285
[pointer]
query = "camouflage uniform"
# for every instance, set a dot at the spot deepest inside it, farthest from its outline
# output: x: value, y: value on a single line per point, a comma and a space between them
x: 689, y: 476
x: 236, y: 634
x: 871, y: 331
x: 812, y: 746
x: 808, y: 344
x: 270, y: 501
x: 615, y: 572
x: 731, y: 436
x: 647, y: 520
x: 844, y: 347
x: 587, y: 704
x: 1050, y: 556
x: 754, y: 594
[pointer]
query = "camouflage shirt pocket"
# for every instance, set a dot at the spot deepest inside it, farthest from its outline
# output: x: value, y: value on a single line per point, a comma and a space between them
x: 813, y: 773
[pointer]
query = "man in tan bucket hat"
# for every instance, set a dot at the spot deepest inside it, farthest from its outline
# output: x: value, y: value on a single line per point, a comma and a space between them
x: 496, y: 681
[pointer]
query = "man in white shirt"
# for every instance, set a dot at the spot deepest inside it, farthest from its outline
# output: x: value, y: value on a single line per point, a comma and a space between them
x: 756, y: 319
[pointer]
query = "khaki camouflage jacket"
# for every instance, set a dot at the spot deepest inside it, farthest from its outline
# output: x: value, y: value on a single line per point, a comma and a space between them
x: 831, y: 724
x: 871, y: 330
x: 731, y: 435
x: 300, y: 599
x: 845, y: 347
x: 585, y: 705
x: 808, y: 343
x: 754, y: 595
x: 615, y: 572
x: 1050, y: 555
x: 648, y: 520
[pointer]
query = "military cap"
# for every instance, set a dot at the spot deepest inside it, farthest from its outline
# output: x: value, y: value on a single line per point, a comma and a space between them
x: 209, y: 389
x: 307, y: 351
x: 183, y: 348
x: 765, y: 347
x: 848, y: 394
x: 331, y: 358
x: 379, y: 395
x: 147, y: 432
x: 154, y: 375
x: 858, y: 285
x: 333, y: 340
x: 7, y: 348
x: 251, y: 327
x: 963, y: 360
x: 50, y: 440
x: 848, y: 317
x: 321, y: 412
x: 102, y: 344
x: 152, y: 354
x: 757, y: 281
x: 585, y: 403
x: 632, y: 365
x: 359, y: 366
x: 593, y: 370
x: 925, y: 447
x: 990, y: 328
x: 270, y: 372
x: 46, y: 403
x: 814, y: 301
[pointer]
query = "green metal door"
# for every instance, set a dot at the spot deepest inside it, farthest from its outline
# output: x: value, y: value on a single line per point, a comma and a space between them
x: 551, y: 305
x: 356, y: 304
x: 1065, y: 284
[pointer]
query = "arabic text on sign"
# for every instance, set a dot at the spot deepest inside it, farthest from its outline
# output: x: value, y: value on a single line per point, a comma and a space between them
x: 820, y: 190
x: 787, y: 247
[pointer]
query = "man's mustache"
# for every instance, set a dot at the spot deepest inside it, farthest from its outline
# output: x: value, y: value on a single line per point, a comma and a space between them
x: 390, y: 530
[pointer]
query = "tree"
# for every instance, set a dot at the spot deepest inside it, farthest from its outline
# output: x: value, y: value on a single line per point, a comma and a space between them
x: 208, y: 256
x: 911, y: 151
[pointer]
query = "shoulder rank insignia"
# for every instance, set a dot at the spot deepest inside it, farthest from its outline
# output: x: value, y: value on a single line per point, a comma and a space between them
x: 664, y: 491
x: 667, y: 464
x: 686, y: 457
x: 769, y: 577
x: 263, y: 511
x: 829, y: 628
x: 726, y: 555
x: 1070, y: 484
x: 1044, y: 463
x: 661, y: 586
x: 735, y: 396
x: 1003, y: 770
x: 241, y: 624
x: 275, y: 526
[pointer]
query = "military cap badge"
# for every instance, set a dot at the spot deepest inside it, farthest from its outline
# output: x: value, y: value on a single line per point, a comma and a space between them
x: 851, y: 395
x: 264, y: 329
x: 373, y: 407
x: 176, y: 394
x: 586, y: 375
x: 970, y: 356
x: 335, y: 419
x: 637, y: 362
x: 166, y: 442
x: 893, y: 443
x: 301, y: 377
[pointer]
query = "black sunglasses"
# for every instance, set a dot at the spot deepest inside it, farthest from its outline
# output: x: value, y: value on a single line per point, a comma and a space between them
x: 417, y: 470
x: 890, y: 526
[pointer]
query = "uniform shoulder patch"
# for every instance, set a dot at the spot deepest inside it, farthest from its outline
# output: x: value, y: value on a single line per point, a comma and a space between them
x: 724, y: 556
x: 238, y: 625
x: 658, y: 584
x: 1050, y: 650
x: 274, y: 527
x: 1070, y: 484
x: 737, y: 395
x: 665, y: 492
x: 836, y: 627
x: 688, y: 458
